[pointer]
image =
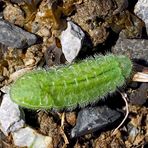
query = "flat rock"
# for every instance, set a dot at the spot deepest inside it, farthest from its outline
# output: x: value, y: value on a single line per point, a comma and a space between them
x: 93, y: 119
x: 134, y: 48
x: 15, y: 37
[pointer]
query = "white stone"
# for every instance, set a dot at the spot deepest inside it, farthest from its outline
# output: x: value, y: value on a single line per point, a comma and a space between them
x: 71, y: 41
x: 11, y: 122
x: 10, y: 116
x: 141, y: 9
x: 27, y: 137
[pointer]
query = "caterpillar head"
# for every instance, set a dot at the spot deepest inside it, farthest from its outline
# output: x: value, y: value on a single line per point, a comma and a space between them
x: 125, y: 65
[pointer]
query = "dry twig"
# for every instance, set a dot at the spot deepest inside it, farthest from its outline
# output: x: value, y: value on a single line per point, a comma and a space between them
x: 124, y: 96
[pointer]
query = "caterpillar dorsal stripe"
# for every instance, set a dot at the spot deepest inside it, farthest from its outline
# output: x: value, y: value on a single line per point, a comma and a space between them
x: 80, y: 83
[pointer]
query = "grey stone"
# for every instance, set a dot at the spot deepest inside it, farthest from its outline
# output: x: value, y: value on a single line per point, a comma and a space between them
x: 139, y: 97
x: 141, y: 10
x: 15, y: 37
x: 133, y: 132
x: 92, y: 119
x: 134, y: 48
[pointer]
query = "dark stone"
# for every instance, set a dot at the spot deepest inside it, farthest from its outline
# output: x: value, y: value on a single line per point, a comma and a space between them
x: 139, y: 96
x: 134, y: 48
x: 93, y: 119
x: 15, y: 37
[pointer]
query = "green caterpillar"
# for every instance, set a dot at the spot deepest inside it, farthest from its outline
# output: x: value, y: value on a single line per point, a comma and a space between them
x: 77, y: 84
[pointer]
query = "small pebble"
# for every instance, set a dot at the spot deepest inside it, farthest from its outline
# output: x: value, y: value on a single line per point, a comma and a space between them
x: 71, y: 118
x: 72, y: 41
x: 27, y: 137
x: 139, y: 96
x: 132, y: 134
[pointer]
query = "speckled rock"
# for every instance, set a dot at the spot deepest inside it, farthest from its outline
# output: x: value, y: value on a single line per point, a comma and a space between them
x: 141, y: 9
x: 15, y: 37
x: 134, y: 48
